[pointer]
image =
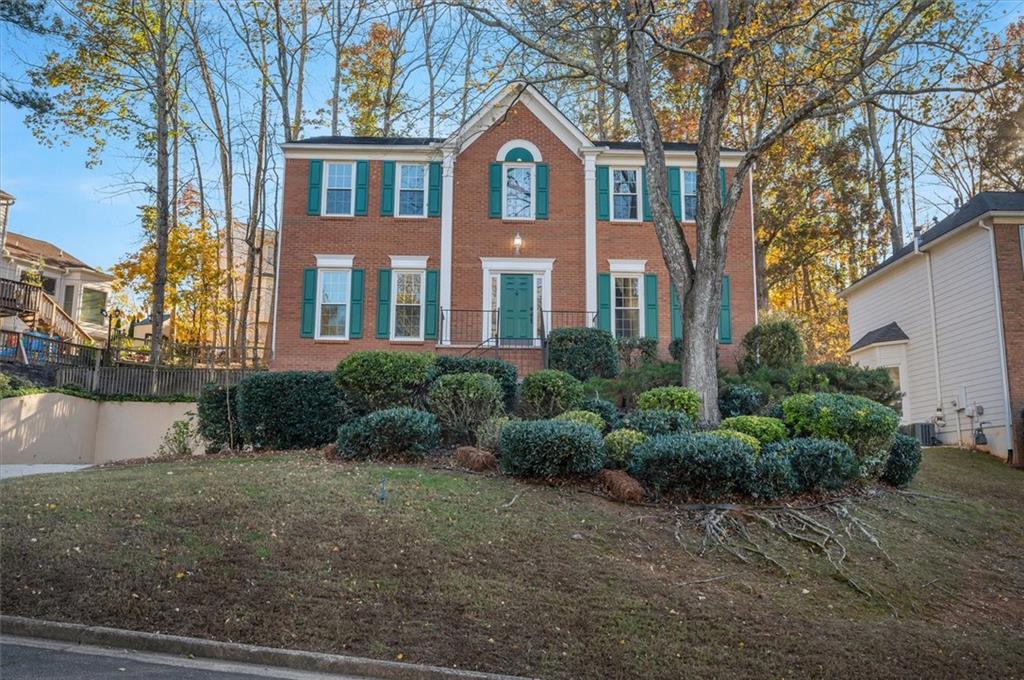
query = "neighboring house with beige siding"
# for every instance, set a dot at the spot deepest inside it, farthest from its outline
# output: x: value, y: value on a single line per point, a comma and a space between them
x: 943, y: 316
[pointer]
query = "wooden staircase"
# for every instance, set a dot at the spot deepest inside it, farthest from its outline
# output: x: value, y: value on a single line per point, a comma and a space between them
x: 39, y: 311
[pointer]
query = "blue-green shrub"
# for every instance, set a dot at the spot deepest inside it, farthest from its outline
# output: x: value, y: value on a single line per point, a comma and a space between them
x: 739, y: 400
x: 502, y: 371
x: 658, y: 421
x: 817, y: 463
x: 583, y: 352
x: 695, y: 465
x: 461, y: 401
x: 773, y: 476
x: 904, y: 459
x: 606, y: 409
x: 403, y: 433
x: 866, y: 426
x: 550, y: 448
x: 290, y: 409
x: 547, y: 393
x: 378, y: 380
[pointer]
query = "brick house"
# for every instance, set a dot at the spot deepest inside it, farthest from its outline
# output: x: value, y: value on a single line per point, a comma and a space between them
x: 945, y: 315
x: 483, y: 241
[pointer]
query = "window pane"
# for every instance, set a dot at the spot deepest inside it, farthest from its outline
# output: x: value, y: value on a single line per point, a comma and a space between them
x: 410, y: 202
x: 627, y: 292
x: 412, y: 177
x: 689, y: 195
x: 339, y: 201
x: 519, y: 192
x: 93, y: 303
x: 407, y: 288
x: 334, y: 294
x: 339, y: 176
x: 627, y: 323
x: 627, y: 306
x: 332, y: 320
x: 625, y: 207
x: 407, y: 321
x: 408, y: 296
x: 690, y: 209
x: 625, y: 181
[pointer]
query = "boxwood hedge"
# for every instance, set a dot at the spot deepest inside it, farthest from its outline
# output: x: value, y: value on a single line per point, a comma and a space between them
x: 658, y: 421
x: 583, y: 352
x: 696, y: 465
x: 403, y: 433
x: 547, y: 393
x: 670, y: 399
x: 378, y: 380
x: 290, y: 409
x: 550, y: 448
x: 865, y: 426
x: 217, y: 419
x: 817, y: 463
x: 502, y: 371
x: 762, y: 428
x: 904, y: 459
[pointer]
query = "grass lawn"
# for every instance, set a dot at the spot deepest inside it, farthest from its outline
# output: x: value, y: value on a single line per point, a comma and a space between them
x: 493, y: 574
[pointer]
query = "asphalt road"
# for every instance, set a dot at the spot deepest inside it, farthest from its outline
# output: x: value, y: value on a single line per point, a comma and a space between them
x: 31, y: 659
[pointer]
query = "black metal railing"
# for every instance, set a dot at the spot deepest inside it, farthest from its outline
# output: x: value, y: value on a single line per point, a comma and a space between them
x: 469, y: 327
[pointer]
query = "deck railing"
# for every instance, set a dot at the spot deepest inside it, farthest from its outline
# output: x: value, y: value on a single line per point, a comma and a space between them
x: 19, y: 298
x: 38, y: 349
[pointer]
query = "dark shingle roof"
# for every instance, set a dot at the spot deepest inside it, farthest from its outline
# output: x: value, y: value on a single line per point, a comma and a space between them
x: 985, y: 202
x: 890, y: 332
x: 28, y: 248
x: 369, y: 141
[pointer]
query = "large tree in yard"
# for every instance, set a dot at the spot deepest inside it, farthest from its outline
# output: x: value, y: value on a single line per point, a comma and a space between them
x: 808, y: 59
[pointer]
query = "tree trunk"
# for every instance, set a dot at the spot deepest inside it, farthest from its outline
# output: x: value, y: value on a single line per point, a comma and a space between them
x: 161, y: 107
x: 895, y: 235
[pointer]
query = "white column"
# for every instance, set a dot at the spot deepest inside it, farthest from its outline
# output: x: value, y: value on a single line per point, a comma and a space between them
x: 590, y: 229
x: 447, y: 209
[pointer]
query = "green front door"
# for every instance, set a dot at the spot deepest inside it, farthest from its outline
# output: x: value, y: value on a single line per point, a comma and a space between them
x: 516, y: 304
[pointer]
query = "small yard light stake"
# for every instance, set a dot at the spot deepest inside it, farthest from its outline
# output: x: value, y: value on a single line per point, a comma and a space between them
x: 517, y: 242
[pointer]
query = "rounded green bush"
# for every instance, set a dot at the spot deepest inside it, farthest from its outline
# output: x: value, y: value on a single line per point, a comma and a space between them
x: 817, y: 463
x: 619, y: 445
x: 696, y: 465
x: 755, y: 446
x: 383, y: 379
x: 604, y: 408
x: 547, y: 393
x: 403, y: 433
x: 461, y: 401
x: 583, y: 352
x: 586, y: 417
x: 904, y: 459
x: 771, y: 344
x: 739, y: 400
x: 505, y: 373
x: 658, y: 421
x: 550, y: 448
x: 488, y: 434
x: 762, y: 428
x: 289, y: 409
x: 670, y: 399
x: 773, y: 476
x: 865, y: 426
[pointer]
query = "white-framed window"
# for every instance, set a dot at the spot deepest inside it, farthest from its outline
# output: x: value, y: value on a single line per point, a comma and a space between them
x: 518, y: 184
x: 333, y: 290
x: 627, y: 305
x: 93, y: 304
x: 407, y: 316
x: 411, y: 197
x: 339, y: 189
x: 689, y: 195
x: 626, y: 194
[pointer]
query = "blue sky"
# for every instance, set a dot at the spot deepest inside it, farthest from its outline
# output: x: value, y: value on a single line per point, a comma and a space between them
x: 87, y: 211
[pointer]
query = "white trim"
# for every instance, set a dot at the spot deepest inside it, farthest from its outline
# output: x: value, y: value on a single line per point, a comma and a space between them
x: 409, y: 261
x: 639, y: 193
x: 532, y: 167
x: 325, y: 182
x: 514, y: 143
x: 590, y: 231
x: 319, y: 302
x: 398, y: 189
x: 639, y: 277
x: 334, y: 261
x: 508, y: 265
x: 447, y: 199
x: 627, y: 266
x: 360, y: 152
x: 394, y: 303
x: 683, y: 159
x: 518, y: 264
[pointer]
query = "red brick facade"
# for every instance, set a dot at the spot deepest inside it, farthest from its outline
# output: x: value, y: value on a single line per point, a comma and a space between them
x: 1010, y: 263
x: 372, y: 239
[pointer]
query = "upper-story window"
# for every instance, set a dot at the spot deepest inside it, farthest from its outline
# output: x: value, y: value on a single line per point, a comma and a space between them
x: 518, y: 191
x: 625, y: 194
x: 689, y: 195
x: 339, y: 189
x: 518, y: 183
x: 412, y: 190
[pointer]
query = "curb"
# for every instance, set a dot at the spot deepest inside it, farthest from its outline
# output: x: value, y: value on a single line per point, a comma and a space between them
x: 232, y: 651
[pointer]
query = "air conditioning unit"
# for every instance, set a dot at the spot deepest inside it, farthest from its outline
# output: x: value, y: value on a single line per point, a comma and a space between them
x: 922, y: 432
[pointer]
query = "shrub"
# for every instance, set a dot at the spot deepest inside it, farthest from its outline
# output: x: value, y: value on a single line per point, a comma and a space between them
x: 739, y: 400
x: 547, y: 393
x: 658, y: 421
x: 622, y: 391
x: 583, y: 352
x: 550, y: 448
x: 586, y: 417
x: 755, y: 446
x: 217, y: 423
x: 619, y: 445
x: 488, y: 434
x: 773, y: 476
x: 817, y: 463
x: 866, y: 426
x: 775, y: 384
x: 675, y: 349
x: 179, y: 440
x: 697, y: 465
x: 635, y: 352
x: 502, y: 371
x: 380, y: 379
x: 461, y: 401
x: 606, y: 409
x: 771, y: 344
x: 290, y: 409
x: 670, y: 399
x: 762, y: 428
x: 904, y: 459
x: 393, y: 433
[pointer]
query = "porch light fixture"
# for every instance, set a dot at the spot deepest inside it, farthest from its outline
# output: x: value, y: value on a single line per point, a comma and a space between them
x: 517, y: 242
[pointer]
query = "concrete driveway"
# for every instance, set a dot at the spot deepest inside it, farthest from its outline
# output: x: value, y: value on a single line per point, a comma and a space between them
x: 8, y: 471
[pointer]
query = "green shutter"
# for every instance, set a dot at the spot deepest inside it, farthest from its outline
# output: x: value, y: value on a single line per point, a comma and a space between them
x: 316, y: 173
x: 387, y: 188
x: 430, y: 320
x: 434, y: 190
x: 725, y: 314
x: 721, y: 183
x: 651, y: 306
x: 308, y: 302
x: 362, y: 182
x: 383, y: 303
x: 677, y: 314
x: 602, y: 192
x: 355, y: 322
x: 675, y: 192
x: 494, y: 193
x: 646, y: 199
x: 604, y: 302
x: 542, y: 191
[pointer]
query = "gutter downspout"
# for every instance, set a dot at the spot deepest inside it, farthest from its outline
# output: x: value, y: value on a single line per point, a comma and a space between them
x: 1008, y: 411
x: 935, y: 333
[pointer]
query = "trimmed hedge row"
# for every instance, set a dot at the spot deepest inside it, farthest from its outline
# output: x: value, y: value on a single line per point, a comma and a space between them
x: 403, y: 433
x: 505, y: 373
x: 583, y: 352
x: 381, y: 380
x: 290, y: 409
x: 550, y: 448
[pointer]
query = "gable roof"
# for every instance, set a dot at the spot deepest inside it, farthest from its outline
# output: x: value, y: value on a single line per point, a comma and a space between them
x: 33, y: 249
x: 367, y: 141
x: 981, y: 205
x: 891, y: 332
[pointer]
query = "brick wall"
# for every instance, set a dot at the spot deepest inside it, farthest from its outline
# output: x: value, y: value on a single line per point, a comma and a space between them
x: 1011, y: 289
